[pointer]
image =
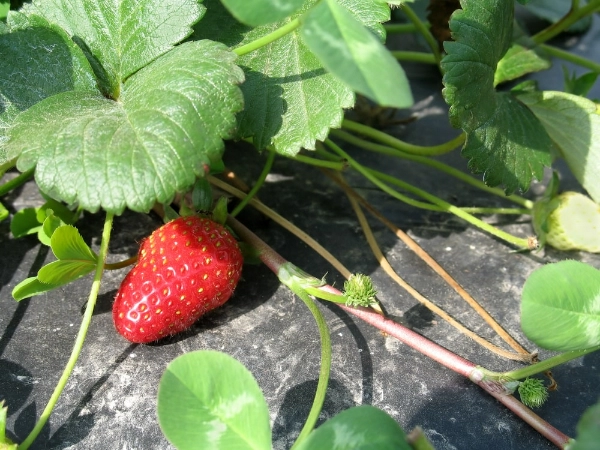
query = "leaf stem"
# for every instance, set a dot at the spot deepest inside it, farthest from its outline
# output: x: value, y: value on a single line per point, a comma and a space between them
x: 267, y: 39
x: 572, y: 58
x: 386, y: 150
x: 569, y: 19
x: 393, y: 142
x: 539, y: 367
x: 375, y: 177
x: 325, y: 370
x: 400, y: 28
x: 83, y: 329
x: 422, y: 28
x: 259, y: 183
x: 334, y: 165
x: 16, y: 182
x: 121, y: 264
x: 485, y: 211
x: 420, y: 57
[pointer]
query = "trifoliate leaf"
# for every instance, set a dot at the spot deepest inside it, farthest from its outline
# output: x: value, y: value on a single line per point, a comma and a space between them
x: 291, y: 100
x: 123, y: 35
x: 261, y: 12
x: 579, y: 85
x: 168, y: 124
x: 353, y: 54
x: 25, y: 222
x: 505, y: 141
x: 58, y: 273
x: 588, y: 429
x: 574, y: 125
x: 38, y: 61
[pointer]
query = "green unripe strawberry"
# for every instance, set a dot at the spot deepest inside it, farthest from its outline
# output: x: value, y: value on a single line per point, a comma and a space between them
x: 570, y: 221
x: 185, y: 268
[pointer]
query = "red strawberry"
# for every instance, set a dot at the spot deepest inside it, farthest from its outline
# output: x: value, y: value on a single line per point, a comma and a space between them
x: 185, y: 268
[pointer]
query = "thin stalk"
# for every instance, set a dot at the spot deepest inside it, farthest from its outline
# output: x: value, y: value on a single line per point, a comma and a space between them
x: 539, y: 367
x: 16, y: 182
x: 390, y: 151
x: 83, y: 329
x: 569, y: 19
x: 523, y: 354
x: 267, y: 39
x: 571, y: 57
x: 121, y: 264
x: 393, y: 142
x: 422, y: 28
x: 375, y: 177
x: 477, y: 210
x: 400, y: 28
x: 334, y: 165
x: 259, y: 183
x: 420, y: 57
x: 414, y: 340
x: 324, y: 372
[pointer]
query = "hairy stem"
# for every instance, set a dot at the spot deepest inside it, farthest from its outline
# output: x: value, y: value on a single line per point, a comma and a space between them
x: 569, y: 19
x: 571, y: 57
x: 390, y: 151
x: 257, y: 185
x: 393, y: 142
x: 420, y: 57
x: 83, y: 329
x: 267, y: 39
x: 422, y: 28
x: 16, y: 182
x: 377, y: 179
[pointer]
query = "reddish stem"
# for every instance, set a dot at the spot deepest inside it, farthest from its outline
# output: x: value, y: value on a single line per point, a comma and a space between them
x: 423, y: 345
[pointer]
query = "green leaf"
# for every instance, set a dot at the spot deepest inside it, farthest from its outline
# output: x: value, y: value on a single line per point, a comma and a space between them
x: 505, y: 141
x: 522, y: 57
x: 362, y: 427
x: 30, y: 287
x: 574, y: 125
x: 67, y: 244
x: 560, y: 306
x: 4, y: 8
x: 58, y: 273
x: 25, y: 222
x: 38, y: 61
x: 122, y: 36
x: 579, y: 85
x: 588, y: 430
x: 261, y: 12
x: 352, y: 53
x: 290, y: 100
x: 207, y: 399
x: 168, y: 125
x: 50, y: 225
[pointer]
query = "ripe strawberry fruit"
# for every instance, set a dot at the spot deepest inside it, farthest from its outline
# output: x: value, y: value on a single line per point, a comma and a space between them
x: 185, y: 268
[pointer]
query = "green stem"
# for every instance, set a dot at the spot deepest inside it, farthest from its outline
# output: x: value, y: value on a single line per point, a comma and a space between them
x: 375, y: 177
x: 121, y: 264
x: 569, y: 19
x: 412, y: 149
x: 390, y: 151
x: 568, y: 56
x: 265, y: 40
x: 3, y: 214
x: 324, y: 295
x: 259, y: 183
x: 16, y: 182
x: 319, y: 399
x: 334, y: 165
x: 85, y: 323
x: 477, y: 210
x: 540, y: 367
x: 400, y: 28
x: 420, y: 57
x: 422, y: 28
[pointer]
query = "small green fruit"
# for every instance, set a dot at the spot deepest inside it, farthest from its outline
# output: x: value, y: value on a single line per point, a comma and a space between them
x: 571, y: 221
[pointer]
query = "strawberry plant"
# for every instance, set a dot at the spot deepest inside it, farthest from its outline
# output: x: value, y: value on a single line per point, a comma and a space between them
x: 124, y: 108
